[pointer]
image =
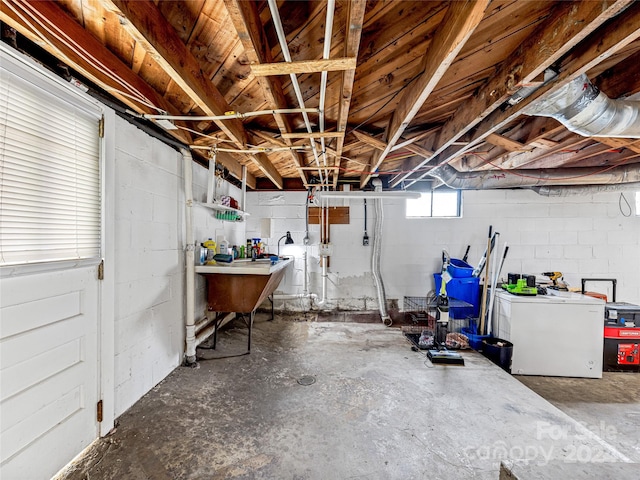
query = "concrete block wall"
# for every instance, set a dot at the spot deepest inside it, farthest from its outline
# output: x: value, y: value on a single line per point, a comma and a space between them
x: 581, y: 236
x: 149, y: 259
x: 148, y: 263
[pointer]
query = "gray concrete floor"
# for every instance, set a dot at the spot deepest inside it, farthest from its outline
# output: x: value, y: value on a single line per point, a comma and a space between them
x: 377, y: 410
x: 609, y: 406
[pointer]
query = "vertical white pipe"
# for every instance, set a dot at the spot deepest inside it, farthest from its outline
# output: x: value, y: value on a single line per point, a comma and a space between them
x: 211, y: 179
x: 494, y: 283
x: 305, y: 287
x: 190, y: 261
x: 243, y: 206
x: 323, y: 258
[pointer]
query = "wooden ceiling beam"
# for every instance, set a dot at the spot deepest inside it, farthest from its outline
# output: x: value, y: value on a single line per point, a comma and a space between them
x: 369, y: 140
x: 82, y: 52
x: 418, y: 150
x: 247, y: 23
x: 353, y: 33
x: 459, y: 22
x: 507, y: 143
x: 144, y: 21
x: 412, y: 140
x: 381, y: 146
x: 518, y: 160
x: 303, y: 66
x: 621, y: 80
x: 568, y: 24
x: 267, y: 137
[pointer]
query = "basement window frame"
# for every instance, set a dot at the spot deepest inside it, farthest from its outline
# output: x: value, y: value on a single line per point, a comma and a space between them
x: 435, y: 202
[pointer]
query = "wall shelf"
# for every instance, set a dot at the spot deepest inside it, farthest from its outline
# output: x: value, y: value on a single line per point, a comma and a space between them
x: 224, y: 210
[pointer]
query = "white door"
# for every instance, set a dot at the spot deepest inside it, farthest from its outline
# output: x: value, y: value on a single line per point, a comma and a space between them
x: 50, y: 246
x: 49, y: 370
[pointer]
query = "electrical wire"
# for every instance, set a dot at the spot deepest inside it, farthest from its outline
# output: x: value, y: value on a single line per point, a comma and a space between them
x: 427, y: 362
x: 620, y: 199
x: 80, y: 51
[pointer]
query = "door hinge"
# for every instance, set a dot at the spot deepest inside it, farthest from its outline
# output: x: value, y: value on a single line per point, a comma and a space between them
x: 99, y: 411
x: 101, y: 127
x: 101, y: 270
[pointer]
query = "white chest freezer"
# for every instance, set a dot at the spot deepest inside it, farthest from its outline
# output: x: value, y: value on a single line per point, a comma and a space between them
x: 560, y: 334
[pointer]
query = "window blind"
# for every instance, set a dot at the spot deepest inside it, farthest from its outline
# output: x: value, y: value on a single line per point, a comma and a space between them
x: 49, y: 176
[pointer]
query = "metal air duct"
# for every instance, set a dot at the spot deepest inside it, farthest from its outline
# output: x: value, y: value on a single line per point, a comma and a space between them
x: 571, y: 190
x: 492, y: 179
x: 584, y: 109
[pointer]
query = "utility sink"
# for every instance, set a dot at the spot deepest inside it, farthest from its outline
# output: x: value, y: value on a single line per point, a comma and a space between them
x: 242, y: 285
x: 262, y: 266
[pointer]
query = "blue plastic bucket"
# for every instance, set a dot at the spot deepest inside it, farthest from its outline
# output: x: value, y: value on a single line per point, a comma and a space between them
x: 475, y: 340
x: 459, y: 268
x: 466, y: 289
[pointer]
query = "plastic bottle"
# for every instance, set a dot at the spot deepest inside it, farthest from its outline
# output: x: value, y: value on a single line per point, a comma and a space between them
x: 210, y: 245
x: 223, y: 245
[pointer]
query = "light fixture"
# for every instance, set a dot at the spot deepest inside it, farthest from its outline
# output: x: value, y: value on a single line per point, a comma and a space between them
x: 288, y: 241
x: 368, y: 194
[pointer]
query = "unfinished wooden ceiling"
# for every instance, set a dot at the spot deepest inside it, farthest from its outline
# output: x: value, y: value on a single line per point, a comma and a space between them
x: 402, y: 87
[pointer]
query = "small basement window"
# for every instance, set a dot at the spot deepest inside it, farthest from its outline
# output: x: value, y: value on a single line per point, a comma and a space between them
x: 436, y: 203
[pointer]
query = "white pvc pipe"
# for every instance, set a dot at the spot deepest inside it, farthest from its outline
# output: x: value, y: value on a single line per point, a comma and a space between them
x: 323, y: 299
x: 250, y: 150
x: 203, y: 322
x: 189, y: 320
x: 494, y: 283
x: 230, y: 116
x: 203, y: 334
x: 243, y: 205
x: 305, y: 288
x: 294, y: 296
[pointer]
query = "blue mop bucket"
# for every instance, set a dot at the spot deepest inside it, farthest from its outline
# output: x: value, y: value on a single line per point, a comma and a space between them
x: 459, y: 268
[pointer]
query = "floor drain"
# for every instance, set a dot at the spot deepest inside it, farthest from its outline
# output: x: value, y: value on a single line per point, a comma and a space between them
x: 307, y: 380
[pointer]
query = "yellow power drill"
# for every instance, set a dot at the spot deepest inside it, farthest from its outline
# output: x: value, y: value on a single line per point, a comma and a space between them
x: 554, y: 277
